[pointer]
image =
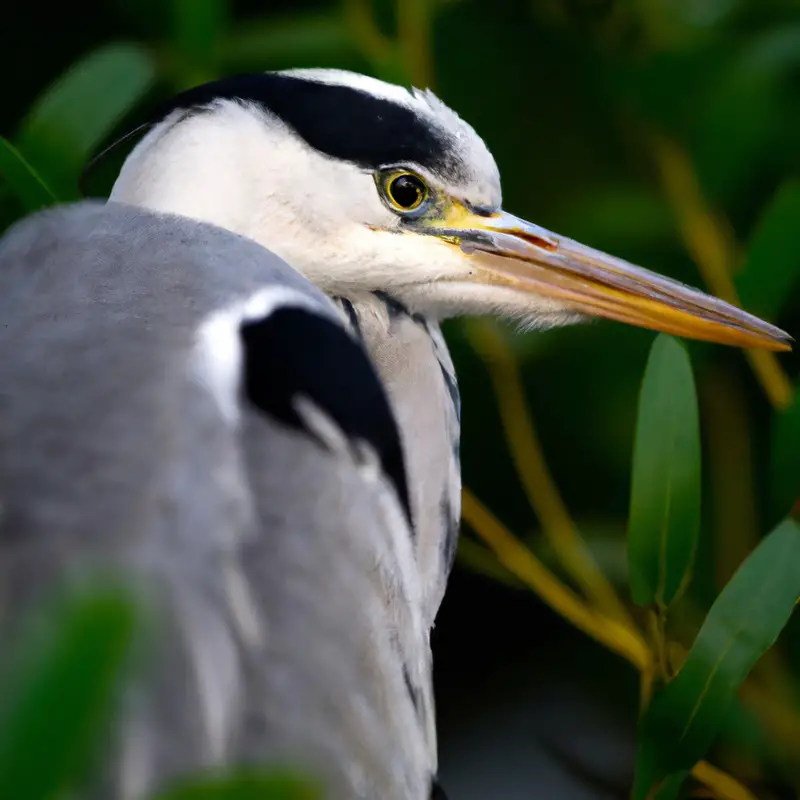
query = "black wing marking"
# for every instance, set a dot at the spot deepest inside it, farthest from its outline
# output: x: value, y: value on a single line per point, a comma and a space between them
x: 295, y: 352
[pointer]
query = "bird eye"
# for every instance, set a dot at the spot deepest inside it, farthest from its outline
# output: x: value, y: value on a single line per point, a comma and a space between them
x: 405, y: 191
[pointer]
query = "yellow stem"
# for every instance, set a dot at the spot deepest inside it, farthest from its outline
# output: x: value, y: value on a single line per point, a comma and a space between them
x: 414, y: 38
x: 532, y: 468
x: 711, y: 245
x: 373, y: 43
x: 621, y: 639
x: 520, y: 561
x: 483, y: 561
x: 724, y: 786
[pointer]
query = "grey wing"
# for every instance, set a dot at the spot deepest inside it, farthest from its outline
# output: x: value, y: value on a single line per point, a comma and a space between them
x: 161, y: 411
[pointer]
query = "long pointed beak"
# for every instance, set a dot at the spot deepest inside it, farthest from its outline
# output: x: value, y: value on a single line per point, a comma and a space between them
x: 532, y: 259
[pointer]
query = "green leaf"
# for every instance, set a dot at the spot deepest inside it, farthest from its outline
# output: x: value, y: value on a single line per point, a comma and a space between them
x: 785, y: 458
x: 61, y: 695
x: 26, y: 184
x: 618, y: 217
x: 270, y: 786
x: 197, y: 24
x: 671, y: 788
x: 665, y: 494
x: 739, y: 130
x: 772, y: 268
x: 81, y: 108
x: 300, y: 39
x: 736, y: 131
x: 197, y: 28
x: 685, y: 717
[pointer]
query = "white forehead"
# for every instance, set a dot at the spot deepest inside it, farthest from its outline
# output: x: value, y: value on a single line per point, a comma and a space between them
x: 481, y: 180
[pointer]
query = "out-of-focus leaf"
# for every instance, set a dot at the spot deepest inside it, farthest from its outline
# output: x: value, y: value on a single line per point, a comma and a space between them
x: 741, y: 123
x: 300, y: 39
x: 81, y: 108
x: 26, y: 184
x: 773, y: 258
x: 670, y: 88
x: 671, y: 788
x: 60, y: 696
x: 197, y: 24
x: 684, y: 718
x: 619, y: 216
x: 785, y: 458
x: 270, y: 786
x: 735, y: 133
x: 197, y: 28
x: 664, y: 518
x: 775, y: 52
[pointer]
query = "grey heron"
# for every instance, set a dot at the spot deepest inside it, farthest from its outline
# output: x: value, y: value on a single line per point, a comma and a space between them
x: 231, y: 382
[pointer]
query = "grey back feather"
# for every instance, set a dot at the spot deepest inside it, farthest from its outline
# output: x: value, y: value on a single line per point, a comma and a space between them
x: 260, y: 550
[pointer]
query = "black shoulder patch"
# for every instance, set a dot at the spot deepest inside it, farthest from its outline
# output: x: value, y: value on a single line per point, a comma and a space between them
x: 437, y: 793
x: 294, y: 352
x: 340, y: 121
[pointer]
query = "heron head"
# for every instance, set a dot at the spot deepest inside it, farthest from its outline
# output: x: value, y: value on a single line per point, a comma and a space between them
x: 362, y: 186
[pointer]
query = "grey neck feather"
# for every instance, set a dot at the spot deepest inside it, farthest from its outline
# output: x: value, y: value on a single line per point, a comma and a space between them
x: 411, y: 356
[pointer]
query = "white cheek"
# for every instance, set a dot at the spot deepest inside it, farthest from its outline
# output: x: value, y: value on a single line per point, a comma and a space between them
x: 371, y: 259
x: 454, y: 298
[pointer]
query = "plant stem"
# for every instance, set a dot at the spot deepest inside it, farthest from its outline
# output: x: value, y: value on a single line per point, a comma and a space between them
x: 414, y: 38
x: 376, y: 46
x: 531, y: 466
x: 724, y: 786
x: 710, y: 243
x: 619, y: 638
x: 519, y: 560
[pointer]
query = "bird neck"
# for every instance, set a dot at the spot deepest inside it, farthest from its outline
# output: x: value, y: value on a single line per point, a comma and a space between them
x: 412, y: 359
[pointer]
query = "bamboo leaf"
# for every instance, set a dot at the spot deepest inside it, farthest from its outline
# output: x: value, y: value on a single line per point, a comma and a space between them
x: 271, y: 786
x: 772, y: 268
x: 26, y: 184
x: 685, y: 717
x: 81, y: 108
x: 62, y: 693
x: 665, y: 494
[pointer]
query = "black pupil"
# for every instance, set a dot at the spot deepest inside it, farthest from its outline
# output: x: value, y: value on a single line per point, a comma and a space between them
x: 407, y: 191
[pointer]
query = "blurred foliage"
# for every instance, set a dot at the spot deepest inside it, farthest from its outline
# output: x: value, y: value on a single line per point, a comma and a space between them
x: 59, y: 694
x: 62, y: 689
x: 664, y: 131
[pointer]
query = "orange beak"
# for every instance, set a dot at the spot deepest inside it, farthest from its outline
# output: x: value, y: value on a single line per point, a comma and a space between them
x: 509, y: 251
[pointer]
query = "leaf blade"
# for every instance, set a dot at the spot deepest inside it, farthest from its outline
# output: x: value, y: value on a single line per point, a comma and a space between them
x: 26, y: 184
x: 684, y: 719
x: 772, y: 267
x: 81, y: 108
x: 197, y: 25
x: 278, y: 785
x: 664, y: 521
x: 65, y: 683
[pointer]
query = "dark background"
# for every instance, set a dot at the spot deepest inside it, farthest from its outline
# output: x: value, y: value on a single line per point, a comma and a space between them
x: 568, y: 95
